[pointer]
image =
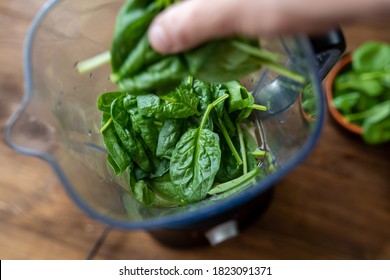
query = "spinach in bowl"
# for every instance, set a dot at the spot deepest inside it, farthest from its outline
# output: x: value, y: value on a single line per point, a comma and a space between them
x: 361, y: 91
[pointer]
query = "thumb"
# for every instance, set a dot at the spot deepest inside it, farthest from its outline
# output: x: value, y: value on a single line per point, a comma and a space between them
x: 189, y: 23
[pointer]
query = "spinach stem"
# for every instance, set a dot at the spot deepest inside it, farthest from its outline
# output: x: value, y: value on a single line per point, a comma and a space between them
x: 191, y: 81
x: 242, y: 148
x: 258, y: 107
x: 257, y: 52
x: 229, y: 142
x: 269, y: 59
x: 283, y: 71
x: 271, y: 166
x: 210, y: 107
x: 259, y: 153
x: 107, y: 124
x: 235, y: 182
x: 93, y: 62
x: 157, y: 123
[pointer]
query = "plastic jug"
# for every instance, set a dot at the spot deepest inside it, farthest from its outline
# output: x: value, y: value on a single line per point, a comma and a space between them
x: 58, y: 121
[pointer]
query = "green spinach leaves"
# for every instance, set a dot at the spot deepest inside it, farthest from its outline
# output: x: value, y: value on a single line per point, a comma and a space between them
x: 137, y: 68
x: 362, y: 92
x: 181, y: 147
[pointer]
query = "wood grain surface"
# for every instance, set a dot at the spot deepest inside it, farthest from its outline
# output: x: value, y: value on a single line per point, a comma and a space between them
x: 335, y: 205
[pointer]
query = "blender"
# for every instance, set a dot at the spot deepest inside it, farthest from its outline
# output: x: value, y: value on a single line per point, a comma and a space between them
x: 58, y: 121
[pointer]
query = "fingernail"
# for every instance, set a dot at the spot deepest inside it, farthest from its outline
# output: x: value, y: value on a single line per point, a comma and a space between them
x: 158, y: 39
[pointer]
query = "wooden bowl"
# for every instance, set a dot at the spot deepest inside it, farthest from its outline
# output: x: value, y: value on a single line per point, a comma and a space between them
x: 343, y: 63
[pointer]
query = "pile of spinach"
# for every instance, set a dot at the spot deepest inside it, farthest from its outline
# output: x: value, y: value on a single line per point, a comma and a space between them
x: 362, y: 92
x: 185, y: 145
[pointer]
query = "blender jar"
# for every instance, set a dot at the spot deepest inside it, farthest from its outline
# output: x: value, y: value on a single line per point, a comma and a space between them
x: 58, y: 121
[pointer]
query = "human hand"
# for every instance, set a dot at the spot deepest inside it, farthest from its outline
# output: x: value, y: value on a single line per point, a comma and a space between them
x: 189, y: 23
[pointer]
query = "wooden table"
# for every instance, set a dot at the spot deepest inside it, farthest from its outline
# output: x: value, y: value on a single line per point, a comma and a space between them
x: 335, y: 205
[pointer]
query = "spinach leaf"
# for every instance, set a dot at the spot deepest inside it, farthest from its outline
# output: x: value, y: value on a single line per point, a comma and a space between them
x: 346, y: 102
x: 142, y: 126
x: 118, y: 112
x: 364, y: 103
x: 111, y: 162
x: 147, y: 129
x: 168, y: 137
x: 132, y: 22
x: 148, y: 191
x: 376, y: 124
x: 218, y: 90
x: 195, y: 160
x: 105, y: 100
x: 140, y: 55
x: 385, y: 79
x: 240, y: 98
x: 139, y: 174
x: 371, y: 87
x: 220, y: 61
x: 377, y: 132
x: 194, y: 164
x: 204, y: 95
x: 183, y: 96
x: 180, y: 103
x: 142, y: 193
x: 229, y: 168
x: 130, y: 103
x: 371, y: 56
x: 151, y: 105
x: 159, y: 77
x: 162, y: 168
x: 164, y: 188
x: 241, y: 103
x: 117, y: 157
x: 155, y: 192
x: 130, y: 143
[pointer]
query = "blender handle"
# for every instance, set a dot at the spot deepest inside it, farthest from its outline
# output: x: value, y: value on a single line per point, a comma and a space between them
x: 328, y: 48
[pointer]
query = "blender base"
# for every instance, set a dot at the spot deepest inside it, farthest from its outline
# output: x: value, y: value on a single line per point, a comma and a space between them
x: 189, y: 236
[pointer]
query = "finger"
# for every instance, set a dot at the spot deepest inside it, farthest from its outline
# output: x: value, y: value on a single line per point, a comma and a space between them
x: 192, y: 22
